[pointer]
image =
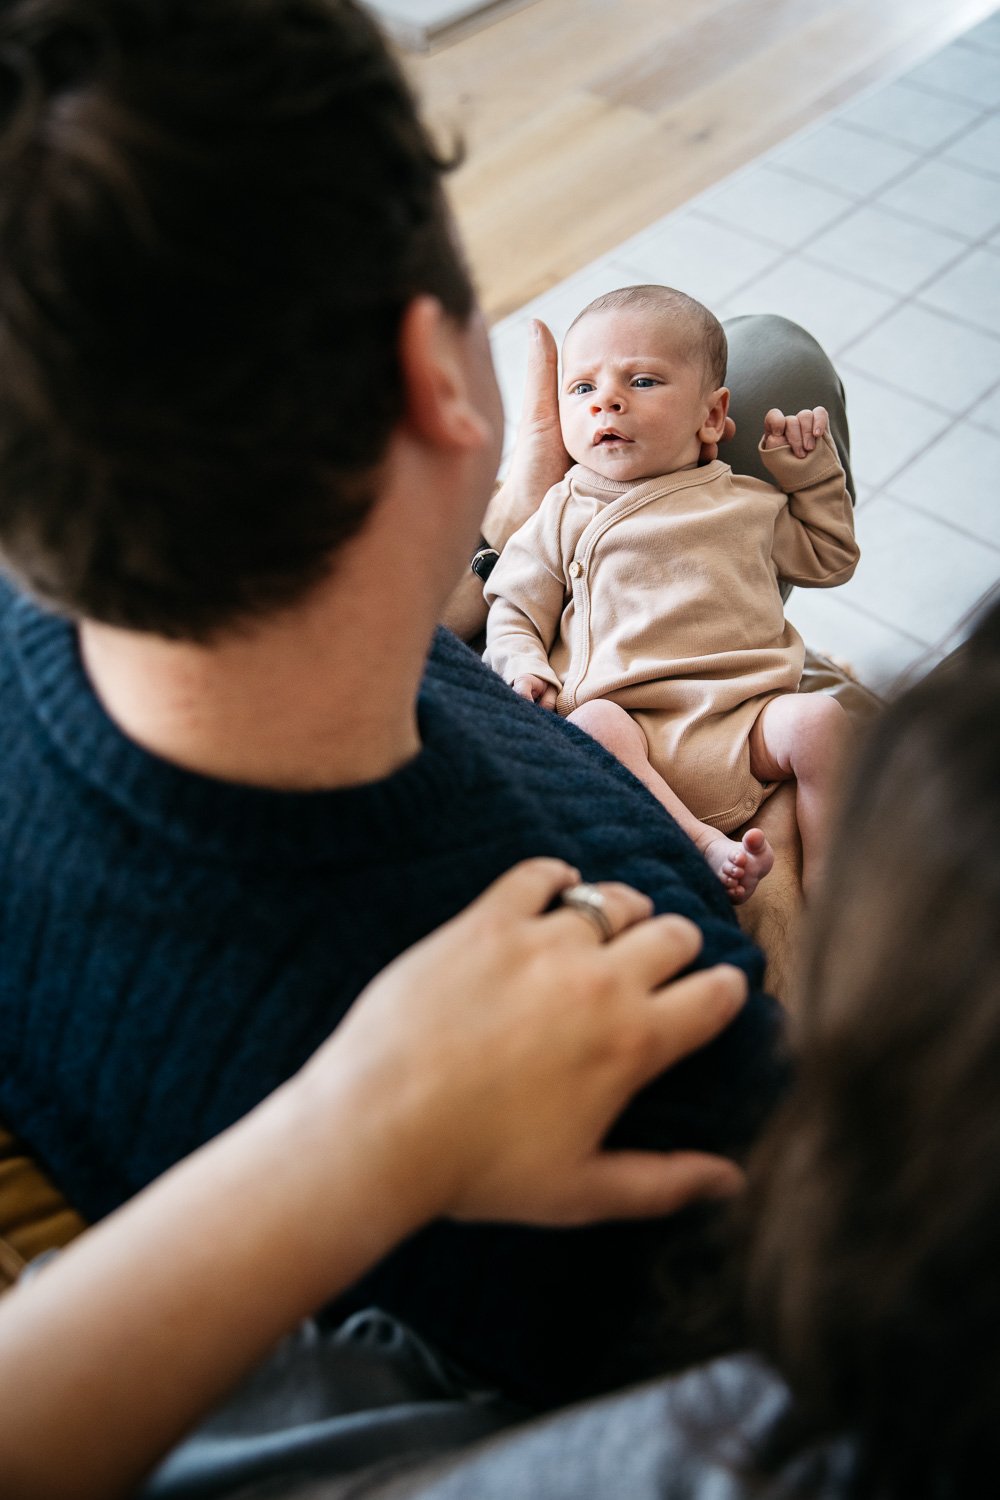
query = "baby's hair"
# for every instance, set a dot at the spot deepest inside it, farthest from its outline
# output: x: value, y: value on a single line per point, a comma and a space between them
x: 703, y: 335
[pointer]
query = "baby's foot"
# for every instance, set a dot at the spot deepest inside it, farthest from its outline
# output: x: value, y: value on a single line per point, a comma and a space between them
x: 741, y: 867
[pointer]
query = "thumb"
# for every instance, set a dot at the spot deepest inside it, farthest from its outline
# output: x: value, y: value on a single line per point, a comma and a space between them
x: 541, y: 401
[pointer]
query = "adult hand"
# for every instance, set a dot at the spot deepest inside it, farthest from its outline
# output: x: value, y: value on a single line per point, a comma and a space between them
x: 475, y: 1076
x: 539, y: 459
x: 497, y: 1053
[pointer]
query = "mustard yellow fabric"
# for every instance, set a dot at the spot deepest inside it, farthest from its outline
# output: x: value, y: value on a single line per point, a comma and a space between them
x: 34, y: 1216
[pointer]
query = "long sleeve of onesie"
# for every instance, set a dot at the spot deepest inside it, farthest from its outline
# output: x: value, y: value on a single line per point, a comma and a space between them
x: 814, y: 541
x: 526, y: 593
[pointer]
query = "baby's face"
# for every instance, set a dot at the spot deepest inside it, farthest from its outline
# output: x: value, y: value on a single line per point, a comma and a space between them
x: 632, y: 401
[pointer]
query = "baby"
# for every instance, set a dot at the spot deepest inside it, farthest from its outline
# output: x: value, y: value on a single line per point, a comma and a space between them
x: 642, y: 600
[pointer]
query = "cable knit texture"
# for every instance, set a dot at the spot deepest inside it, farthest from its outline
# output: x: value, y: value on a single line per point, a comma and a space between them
x: 663, y: 595
x: 173, y: 947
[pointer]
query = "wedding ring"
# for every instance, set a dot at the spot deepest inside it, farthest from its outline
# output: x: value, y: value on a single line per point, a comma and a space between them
x: 590, y: 903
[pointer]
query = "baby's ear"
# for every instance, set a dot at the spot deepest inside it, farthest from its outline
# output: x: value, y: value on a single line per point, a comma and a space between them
x: 712, y: 429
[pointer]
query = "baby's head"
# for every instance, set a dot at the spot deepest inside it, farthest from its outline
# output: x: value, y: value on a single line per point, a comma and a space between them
x: 641, y: 387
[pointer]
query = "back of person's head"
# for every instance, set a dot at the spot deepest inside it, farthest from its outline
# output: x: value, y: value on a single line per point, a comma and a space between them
x: 875, y: 1286
x: 213, y: 214
x: 700, y: 335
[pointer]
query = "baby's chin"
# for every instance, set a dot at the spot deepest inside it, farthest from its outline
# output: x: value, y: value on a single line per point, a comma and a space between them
x: 616, y: 463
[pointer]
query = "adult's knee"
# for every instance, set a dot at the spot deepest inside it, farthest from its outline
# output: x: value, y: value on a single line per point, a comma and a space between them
x: 775, y: 362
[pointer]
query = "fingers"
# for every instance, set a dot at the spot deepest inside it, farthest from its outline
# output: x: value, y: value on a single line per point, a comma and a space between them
x: 659, y: 949
x: 528, y: 888
x: 548, y: 698
x: 691, y: 1011
x: 529, y: 687
x: 774, y: 428
x: 646, y: 1184
x: 531, y: 886
x: 801, y: 432
x: 623, y: 907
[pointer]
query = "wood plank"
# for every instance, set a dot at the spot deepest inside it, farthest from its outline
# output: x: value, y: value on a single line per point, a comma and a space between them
x: 586, y: 120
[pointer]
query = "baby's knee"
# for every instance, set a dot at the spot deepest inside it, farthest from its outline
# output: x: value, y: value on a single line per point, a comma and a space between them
x: 609, y: 724
x: 823, y: 726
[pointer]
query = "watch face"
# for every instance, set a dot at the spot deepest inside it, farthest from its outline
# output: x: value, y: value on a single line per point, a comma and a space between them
x: 484, y: 562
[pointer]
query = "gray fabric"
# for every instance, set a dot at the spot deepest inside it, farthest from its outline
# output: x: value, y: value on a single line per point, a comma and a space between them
x: 691, y: 1438
x: 333, y: 1403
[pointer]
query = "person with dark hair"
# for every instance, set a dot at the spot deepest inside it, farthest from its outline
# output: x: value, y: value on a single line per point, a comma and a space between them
x: 642, y: 600
x: 249, y: 428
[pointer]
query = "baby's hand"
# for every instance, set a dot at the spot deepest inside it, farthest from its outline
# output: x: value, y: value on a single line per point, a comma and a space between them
x: 535, y: 689
x: 801, y: 433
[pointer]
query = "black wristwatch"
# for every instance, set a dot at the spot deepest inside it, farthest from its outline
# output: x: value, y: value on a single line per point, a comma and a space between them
x: 484, y: 560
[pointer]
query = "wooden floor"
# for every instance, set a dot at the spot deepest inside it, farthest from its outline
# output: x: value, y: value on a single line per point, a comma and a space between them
x: 585, y: 120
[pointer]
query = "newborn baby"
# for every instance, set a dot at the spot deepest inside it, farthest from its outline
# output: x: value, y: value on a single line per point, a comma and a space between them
x: 642, y: 599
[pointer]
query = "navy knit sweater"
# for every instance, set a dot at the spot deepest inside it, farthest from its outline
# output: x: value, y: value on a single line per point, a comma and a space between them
x: 172, y: 947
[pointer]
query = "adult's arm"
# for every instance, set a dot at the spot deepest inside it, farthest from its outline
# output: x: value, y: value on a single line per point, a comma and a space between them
x: 419, y: 1105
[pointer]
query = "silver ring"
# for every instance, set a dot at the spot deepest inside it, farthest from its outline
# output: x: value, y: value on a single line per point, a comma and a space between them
x: 590, y: 903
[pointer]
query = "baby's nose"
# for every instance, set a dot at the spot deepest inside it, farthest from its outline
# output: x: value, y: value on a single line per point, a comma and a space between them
x: 606, y: 401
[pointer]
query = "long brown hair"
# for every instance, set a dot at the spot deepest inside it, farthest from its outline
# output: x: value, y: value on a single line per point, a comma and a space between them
x: 874, y: 1280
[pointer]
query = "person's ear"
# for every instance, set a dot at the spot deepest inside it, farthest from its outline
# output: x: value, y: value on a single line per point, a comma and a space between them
x: 439, y: 404
x: 713, y: 428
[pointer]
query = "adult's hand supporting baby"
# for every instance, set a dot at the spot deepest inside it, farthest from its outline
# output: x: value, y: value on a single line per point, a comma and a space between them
x: 476, y: 1077
x: 539, y: 459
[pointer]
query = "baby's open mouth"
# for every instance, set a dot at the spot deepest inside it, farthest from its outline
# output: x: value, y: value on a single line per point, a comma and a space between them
x: 609, y: 435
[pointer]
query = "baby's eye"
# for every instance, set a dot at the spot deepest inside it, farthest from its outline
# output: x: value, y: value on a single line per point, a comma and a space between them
x: 643, y: 382
x: 581, y: 388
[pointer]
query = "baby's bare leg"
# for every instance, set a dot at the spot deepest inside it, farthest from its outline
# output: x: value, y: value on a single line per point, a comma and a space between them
x: 804, y: 736
x: 739, y: 865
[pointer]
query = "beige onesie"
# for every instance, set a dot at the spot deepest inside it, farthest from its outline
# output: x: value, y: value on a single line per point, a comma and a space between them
x: 662, y: 595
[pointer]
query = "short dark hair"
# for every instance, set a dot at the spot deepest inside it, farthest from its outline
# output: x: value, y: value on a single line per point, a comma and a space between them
x: 214, y: 213
x: 702, y: 335
x: 874, y: 1286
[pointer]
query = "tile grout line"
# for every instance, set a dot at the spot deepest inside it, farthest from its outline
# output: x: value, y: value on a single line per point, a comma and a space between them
x: 930, y: 515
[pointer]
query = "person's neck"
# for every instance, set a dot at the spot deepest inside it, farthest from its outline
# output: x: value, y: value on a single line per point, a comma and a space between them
x: 322, y: 695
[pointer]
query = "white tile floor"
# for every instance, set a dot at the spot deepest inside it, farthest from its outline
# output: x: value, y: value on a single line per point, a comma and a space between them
x: 879, y: 230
